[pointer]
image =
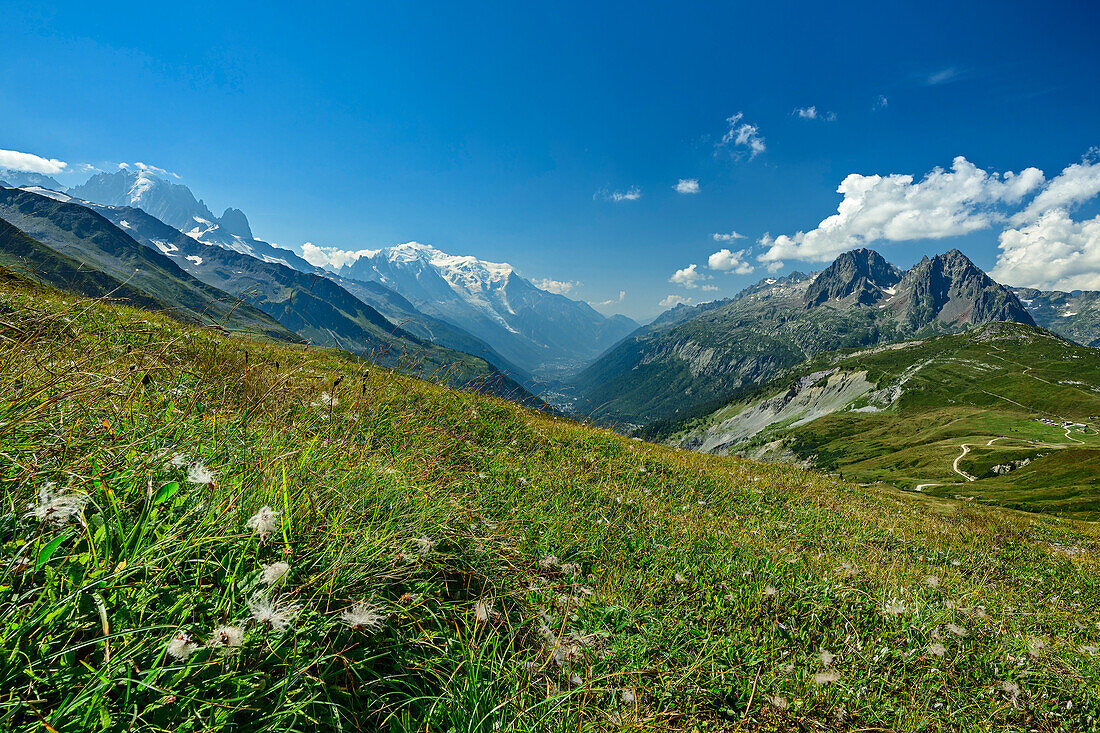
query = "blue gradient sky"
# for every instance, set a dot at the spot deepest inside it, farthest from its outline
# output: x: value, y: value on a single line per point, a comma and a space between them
x: 500, y: 130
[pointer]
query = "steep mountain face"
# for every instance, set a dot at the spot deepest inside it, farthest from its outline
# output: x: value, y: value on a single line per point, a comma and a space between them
x: 1075, y: 315
x: 19, y: 179
x: 176, y: 206
x: 541, y: 332
x: 861, y: 276
x: 83, y: 235
x: 316, y: 308
x: 684, y: 361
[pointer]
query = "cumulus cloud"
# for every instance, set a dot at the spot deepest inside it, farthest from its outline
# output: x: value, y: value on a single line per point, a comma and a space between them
x: 710, y: 287
x: 812, y: 113
x: 726, y: 261
x: 613, y: 301
x: 671, y: 301
x: 742, y: 137
x: 718, y: 237
x: 559, y: 287
x: 689, y: 277
x: 1053, y: 253
x: 1075, y: 184
x: 631, y: 194
x: 332, y: 256
x: 897, y: 208
x: 687, y: 185
x: 30, y: 162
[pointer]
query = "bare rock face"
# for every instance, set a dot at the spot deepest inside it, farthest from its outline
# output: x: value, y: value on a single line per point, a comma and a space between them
x: 860, y: 275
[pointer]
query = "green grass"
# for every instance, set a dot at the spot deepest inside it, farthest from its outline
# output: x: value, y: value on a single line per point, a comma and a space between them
x: 706, y: 588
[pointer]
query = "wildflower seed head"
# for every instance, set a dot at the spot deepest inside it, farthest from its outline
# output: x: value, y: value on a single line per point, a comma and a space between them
x: 424, y: 544
x: 549, y: 563
x: 274, y: 572
x: 932, y: 581
x: 181, y: 646
x: 824, y: 678
x: 263, y: 522
x: 363, y: 616
x: 626, y: 697
x: 199, y: 474
x: 279, y: 616
x: 227, y: 639
x: 894, y: 607
x: 936, y: 649
x: 58, y: 507
x: 770, y: 591
x: 827, y: 658
x: 779, y: 702
x: 956, y: 629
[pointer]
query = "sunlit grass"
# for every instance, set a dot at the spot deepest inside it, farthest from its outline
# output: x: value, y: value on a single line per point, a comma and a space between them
x: 685, y: 591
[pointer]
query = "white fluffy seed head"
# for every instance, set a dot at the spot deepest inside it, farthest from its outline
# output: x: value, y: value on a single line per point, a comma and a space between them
x: 263, y: 522
x: 274, y: 572
x: 363, y: 616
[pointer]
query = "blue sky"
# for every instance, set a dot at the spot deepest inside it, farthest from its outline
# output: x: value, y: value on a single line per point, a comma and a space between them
x: 503, y: 130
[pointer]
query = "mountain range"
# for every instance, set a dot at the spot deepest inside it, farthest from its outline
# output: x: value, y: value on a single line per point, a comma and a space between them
x: 693, y: 356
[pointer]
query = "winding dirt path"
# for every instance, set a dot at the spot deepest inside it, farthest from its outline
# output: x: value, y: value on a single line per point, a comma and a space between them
x: 955, y: 465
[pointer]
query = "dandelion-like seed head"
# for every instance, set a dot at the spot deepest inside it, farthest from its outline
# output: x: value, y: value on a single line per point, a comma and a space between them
x: 894, y: 607
x: 827, y: 658
x: 363, y: 616
x: 679, y: 578
x: 550, y: 562
x: 197, y: 473
x: 770, y: 591
x: 570, y: 568
x: 932, y: 581
x: 1010, y: 688
x: 826, y: 677
x: 263, y: 522
x: 274, y: 572
x: 424, y: 544
x: 626, y: 697
x: 227, y: 639
x: 936, y: 649
x: 58, y: 507
x: 483, y: 612
x: 956, y: 629
x: 181, y: 646
x: 779, y: 702
x: 266, y: 610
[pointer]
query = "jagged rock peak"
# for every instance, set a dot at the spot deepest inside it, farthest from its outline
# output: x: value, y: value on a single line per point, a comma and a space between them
x: 235, y: 222
x: 861, y: 274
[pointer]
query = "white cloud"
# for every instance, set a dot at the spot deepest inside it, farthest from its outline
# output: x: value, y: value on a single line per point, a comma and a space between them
x: 613, y: 301
x: 881, y: 102
x: 1052, y: 253
x: 710, y: 287
x: 30, y: 162
x: 1075, y: 184
x: 687, y: 185
x: 332, y: 256
x: 812, y: 113
x: 727, y: 237
x: 556, y: 286
x: 689, y: 277
x: 743, y: 135
x: 671, y: 301
x: 631, y: 194
x: 774, y: 267
x: 727, y: 261
x: 943, y: 76
x: 895, y: 208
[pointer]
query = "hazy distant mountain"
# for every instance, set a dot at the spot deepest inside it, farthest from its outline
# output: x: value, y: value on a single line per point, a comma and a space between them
x: 544, y: 333
x: 1075, y: 315
x: 83, y: 235
x: 318, y: 309
x: 18, y: 179
x: 176, y: 206
x: 693, y: 356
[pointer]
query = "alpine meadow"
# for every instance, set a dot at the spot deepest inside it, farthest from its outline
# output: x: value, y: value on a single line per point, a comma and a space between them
x: 706, y: 368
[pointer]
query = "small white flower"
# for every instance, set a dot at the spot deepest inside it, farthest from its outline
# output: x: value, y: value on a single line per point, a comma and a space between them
x: 274, y: 572
x: 227, y: 639
x: 58, y: 507
x: 266, y: 610
x: 182, y: 646
x: 199, y: 474
x: 263, y: 522
x: 363, y: 615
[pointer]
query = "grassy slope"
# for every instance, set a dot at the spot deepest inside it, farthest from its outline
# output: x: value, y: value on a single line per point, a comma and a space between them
x: 677, y: 552
x: 967, y: 390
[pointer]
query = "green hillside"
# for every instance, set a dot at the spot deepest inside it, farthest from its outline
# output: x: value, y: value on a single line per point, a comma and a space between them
x: 520, y: 572
x: 997, y: 398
